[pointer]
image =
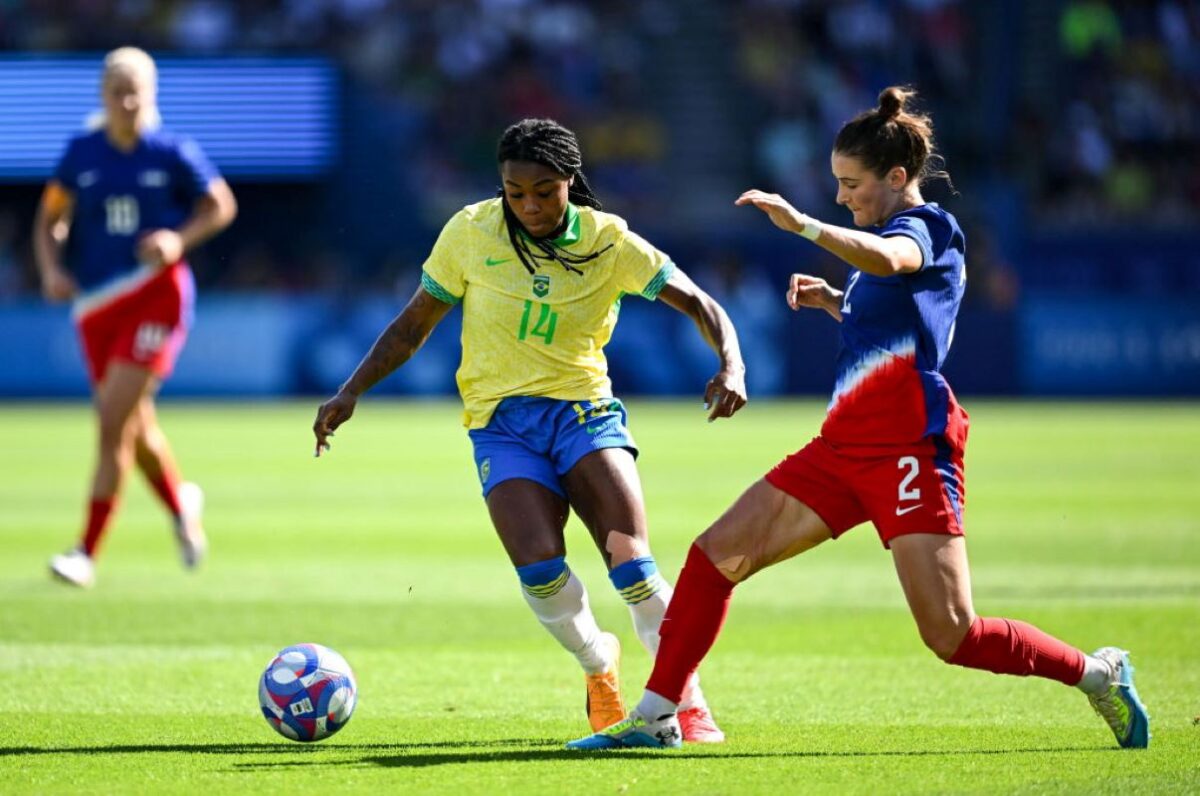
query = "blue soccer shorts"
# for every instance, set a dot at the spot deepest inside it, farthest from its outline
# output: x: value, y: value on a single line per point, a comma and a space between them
x: 541, y: 439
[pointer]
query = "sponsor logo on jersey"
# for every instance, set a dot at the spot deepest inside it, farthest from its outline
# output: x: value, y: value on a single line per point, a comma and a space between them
x: 152, y: 178
x: 492, y: 262
x: 87, y: 178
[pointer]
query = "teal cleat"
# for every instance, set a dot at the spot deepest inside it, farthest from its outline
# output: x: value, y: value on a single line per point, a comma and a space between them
x: 1118, y: 704
x: 634, y: 732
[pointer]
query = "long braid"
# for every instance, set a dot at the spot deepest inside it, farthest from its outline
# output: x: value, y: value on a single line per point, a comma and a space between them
x: 546, y: 142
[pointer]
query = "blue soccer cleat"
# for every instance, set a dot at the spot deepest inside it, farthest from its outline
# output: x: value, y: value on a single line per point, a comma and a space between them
x: 634, y: 732
x: 1118, y: 704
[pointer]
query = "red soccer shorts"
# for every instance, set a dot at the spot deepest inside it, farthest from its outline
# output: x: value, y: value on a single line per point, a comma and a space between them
x: 918, y: 489
x: 146, y: 326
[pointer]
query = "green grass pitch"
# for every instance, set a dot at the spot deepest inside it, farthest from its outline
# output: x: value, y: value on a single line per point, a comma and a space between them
x: 1081, y: 518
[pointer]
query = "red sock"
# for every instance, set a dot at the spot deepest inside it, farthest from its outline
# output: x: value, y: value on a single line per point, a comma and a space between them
x: 99, y: 511
x: 165, y: 487
x: 691, y: 625
x: 1006, y: 646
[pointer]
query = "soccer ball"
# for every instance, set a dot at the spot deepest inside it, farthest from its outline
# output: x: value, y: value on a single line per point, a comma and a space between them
x: 307, y: 692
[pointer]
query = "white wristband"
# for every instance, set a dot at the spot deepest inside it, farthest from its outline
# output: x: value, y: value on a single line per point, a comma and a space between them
x: 812, y: 228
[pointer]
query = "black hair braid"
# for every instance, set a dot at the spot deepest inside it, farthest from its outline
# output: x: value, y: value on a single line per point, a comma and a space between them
x: 546, y: 142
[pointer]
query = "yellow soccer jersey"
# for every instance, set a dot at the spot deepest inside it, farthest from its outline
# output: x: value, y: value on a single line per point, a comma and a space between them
x: 540, y: 334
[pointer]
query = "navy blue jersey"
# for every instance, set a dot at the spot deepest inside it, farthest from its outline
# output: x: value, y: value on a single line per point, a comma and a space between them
x: 896, y: 332
x: 121, y: 195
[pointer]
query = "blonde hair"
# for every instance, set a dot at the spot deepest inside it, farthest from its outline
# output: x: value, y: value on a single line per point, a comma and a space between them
x: 138, y: 61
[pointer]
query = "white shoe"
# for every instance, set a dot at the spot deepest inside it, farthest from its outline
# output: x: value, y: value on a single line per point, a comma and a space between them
x: 189, y: 529
x: 74, y: 567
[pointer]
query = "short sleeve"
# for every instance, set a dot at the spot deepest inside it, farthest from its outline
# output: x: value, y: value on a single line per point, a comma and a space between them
x: 196, y: 171
x: 67, y: 170
x: 442, y: 273
x: 642, y: 269
x: 915, y: 229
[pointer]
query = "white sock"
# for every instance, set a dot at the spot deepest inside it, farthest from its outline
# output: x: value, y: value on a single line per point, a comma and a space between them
x: 1096, y: 675
x: 654, y: 707
x: 647, y: 617
x: 568, y: 617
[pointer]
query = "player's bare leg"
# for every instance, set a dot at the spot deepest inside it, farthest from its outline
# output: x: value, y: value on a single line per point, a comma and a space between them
x: 116, y: 399
x: 529, y: 519
x: 936, y: 579
x: 763, y: 527
x: 183, y: 499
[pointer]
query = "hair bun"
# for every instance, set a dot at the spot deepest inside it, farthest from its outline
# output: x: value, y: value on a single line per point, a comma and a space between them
x: 892, y: 101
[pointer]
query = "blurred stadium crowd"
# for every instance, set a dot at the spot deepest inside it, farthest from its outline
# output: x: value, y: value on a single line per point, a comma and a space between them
x: 1058, y: 114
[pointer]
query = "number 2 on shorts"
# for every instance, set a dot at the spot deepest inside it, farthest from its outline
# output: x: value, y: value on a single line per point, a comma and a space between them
x: 914, y: 466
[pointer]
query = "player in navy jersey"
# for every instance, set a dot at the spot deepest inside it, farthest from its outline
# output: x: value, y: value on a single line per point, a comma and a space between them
x: 890, y: 451
x: 126, y: 202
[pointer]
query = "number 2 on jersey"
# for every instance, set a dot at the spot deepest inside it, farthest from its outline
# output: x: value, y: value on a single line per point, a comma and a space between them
x: 846, y: 296
x: 543, y: 327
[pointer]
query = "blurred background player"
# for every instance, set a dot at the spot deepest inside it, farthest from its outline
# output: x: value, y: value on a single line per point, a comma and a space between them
x: 540, y: 273
x: 126, y: 202
x: 890, y: 450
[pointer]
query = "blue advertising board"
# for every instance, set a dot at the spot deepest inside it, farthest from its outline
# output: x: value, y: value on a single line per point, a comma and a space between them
x: 255, y: 117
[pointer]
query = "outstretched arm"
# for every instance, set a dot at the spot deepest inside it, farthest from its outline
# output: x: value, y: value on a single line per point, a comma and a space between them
x: 865, y: 251
x: 726, y: 391
x: 398, y: 342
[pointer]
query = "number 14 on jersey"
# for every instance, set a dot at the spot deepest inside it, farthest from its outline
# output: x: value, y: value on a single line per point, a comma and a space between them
x: 543, y: 325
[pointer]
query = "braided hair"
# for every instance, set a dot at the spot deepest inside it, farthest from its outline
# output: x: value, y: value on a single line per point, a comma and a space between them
x: 546, y: 142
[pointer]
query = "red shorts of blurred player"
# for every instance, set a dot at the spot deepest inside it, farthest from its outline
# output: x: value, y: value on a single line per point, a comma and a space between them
x: 145, y: 326
x: 916, y: 489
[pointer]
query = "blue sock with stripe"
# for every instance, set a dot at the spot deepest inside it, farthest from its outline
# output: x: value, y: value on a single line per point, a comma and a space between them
x: 545, y: 578
x: 560, y: 603
x: 646, y: 593
x: 637, y: 580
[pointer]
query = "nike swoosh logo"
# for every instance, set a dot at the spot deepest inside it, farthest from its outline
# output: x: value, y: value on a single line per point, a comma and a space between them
x: 901, y: 512
x: 489, y: 262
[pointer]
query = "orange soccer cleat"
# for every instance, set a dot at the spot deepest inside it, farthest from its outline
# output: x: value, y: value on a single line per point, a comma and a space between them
x: 604, y: 704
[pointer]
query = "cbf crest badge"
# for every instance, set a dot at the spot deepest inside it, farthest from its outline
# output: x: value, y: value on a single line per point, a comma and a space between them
x: 541, y: 285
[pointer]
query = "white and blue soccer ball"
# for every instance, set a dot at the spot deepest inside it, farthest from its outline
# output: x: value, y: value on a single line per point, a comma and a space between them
x: 307, y: 692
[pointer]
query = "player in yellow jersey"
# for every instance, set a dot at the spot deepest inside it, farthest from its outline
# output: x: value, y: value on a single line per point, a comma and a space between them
x: 540, y: 272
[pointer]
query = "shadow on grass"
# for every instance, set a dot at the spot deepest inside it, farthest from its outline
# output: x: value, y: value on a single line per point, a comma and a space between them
x: 559, y: 753
x: 281, y: 747
x: 486, y: 751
